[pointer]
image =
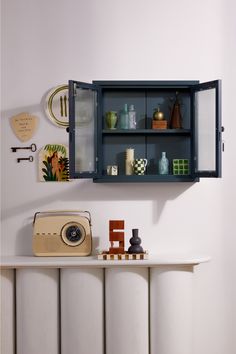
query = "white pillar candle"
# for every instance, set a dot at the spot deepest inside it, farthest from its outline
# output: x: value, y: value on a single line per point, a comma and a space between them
x: 129, y: 158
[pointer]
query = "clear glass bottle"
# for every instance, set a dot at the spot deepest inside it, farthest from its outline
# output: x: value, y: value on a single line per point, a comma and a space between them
x: 163, y: 164
x: 124, y: 117
x: 132, y: 117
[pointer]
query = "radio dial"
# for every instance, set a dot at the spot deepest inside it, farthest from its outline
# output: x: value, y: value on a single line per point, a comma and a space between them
x: 73, y: 234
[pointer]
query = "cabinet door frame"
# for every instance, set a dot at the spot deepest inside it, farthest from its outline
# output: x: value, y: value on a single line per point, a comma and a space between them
x: 72, y: 129
x: 216, y: 172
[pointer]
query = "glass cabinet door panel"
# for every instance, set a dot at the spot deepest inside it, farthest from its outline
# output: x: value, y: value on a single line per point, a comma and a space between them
x: 84, y: 112
x: 207, y: 130
x: 205, y: 108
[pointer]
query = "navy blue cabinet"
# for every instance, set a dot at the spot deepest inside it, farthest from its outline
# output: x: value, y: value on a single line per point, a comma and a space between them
x: 197, y: 143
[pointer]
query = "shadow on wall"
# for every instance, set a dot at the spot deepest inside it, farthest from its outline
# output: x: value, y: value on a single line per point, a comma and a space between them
x: 85, y: 190
x: 24, y: 239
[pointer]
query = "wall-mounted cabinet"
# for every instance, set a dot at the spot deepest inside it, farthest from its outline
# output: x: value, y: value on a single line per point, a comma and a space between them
x: 94, y: 146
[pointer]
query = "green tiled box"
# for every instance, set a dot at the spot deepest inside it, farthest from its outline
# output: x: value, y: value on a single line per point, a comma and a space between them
x: 181, y: 167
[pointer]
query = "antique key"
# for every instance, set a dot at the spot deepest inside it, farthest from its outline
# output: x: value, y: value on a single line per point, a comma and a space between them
x: 30, y: 159
x: 32, y: 147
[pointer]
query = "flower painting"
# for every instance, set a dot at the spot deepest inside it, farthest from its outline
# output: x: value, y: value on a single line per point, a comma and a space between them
x: 54, y: 163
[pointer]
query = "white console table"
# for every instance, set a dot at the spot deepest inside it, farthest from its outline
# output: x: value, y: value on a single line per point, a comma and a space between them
x: 81, y: 305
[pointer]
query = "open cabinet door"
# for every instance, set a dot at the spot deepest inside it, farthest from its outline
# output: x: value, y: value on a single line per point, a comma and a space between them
x: 83, y: 99
x: 207, y: 120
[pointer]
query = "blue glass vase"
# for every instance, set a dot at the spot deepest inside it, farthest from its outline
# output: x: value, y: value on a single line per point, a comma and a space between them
x: 163, y: 164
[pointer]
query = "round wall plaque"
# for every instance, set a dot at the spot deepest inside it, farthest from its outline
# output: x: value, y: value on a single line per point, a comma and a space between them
x: 57, y: 106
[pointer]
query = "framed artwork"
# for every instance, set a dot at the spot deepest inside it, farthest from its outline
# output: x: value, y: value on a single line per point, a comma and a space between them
x: 54, y: 163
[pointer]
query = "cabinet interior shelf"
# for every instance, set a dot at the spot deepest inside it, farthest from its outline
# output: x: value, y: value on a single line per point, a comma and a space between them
x: 147, y: 131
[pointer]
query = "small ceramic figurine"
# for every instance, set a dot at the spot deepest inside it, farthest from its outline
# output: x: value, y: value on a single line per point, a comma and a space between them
x: 117, y: 236
x: 135, y: 242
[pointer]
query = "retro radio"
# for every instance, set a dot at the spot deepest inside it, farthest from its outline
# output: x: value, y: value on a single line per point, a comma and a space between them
x: 62, y: 233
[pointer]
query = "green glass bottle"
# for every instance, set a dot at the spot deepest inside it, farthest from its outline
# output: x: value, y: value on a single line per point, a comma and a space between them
x: 124, y: 117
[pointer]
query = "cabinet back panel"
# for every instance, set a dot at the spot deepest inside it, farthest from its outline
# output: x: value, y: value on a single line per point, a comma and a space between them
x: 114, y: 150
x: 165, y: 100
x: 114, y: 100
x: 176, y: 147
